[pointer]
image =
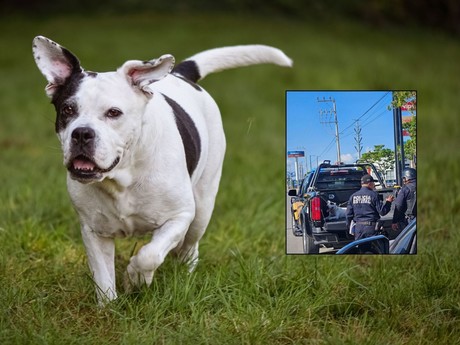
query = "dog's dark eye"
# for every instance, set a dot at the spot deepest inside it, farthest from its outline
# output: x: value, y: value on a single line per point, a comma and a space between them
x: 114, y: 113
x: 68, y: 110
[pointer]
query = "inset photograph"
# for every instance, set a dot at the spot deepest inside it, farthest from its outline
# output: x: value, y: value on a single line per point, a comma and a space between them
x: 351, y: 172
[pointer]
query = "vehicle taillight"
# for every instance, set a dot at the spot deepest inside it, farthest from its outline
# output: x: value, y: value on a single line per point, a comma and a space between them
x: 315, y: 209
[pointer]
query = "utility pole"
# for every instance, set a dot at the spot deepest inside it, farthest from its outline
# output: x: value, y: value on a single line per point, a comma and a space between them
x: 358, y: 138
x: 330, y: 113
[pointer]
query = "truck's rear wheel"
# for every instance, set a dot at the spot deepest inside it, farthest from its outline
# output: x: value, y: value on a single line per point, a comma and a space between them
x: 309, y: 246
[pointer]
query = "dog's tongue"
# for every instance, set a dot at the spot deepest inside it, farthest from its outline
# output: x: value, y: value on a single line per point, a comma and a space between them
x: 81, y: 164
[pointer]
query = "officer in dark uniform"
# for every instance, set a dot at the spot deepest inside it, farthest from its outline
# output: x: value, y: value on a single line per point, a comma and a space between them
x: 406, y: 201
x: 365, y: 208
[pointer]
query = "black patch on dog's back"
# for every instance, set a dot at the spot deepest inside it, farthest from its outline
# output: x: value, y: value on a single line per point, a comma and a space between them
x: 188, y: 133
x: 189, y: 70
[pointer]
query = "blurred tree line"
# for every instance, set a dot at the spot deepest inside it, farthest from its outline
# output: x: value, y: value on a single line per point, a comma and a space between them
x: 440, y: 14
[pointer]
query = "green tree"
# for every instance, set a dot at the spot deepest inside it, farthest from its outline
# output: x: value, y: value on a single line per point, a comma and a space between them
x: 402, y: 97
x: 410, y: 146
x: 383, y: 158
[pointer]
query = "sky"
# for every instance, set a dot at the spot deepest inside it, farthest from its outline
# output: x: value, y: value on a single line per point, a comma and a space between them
x: 305, y: 132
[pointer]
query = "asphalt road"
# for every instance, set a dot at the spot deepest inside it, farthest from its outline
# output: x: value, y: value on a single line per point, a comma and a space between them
x: 294, y: 244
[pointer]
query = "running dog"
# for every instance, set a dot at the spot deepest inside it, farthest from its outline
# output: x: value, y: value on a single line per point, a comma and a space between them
x: 143, y: 147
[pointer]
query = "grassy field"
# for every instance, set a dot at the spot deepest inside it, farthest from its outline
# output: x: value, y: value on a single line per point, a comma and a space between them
x: 245, y: 289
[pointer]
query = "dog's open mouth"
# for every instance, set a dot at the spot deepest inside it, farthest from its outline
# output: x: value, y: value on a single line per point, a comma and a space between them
x: 84, y: 168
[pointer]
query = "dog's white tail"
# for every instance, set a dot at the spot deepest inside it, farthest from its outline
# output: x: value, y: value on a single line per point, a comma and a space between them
x: 210, y: 61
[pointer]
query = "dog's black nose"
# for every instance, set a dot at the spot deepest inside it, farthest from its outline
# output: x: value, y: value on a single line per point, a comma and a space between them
x: 83, y: 135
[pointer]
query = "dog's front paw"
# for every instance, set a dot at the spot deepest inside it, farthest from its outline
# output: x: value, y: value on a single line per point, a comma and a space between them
x: 135, y: 278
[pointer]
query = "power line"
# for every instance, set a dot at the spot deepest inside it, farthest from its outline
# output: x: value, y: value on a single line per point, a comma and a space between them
x: 375, y: 118
x: 360, y: 117
x: 329, y: 146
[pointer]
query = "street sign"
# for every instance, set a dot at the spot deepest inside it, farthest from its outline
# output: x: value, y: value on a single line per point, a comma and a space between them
x: 295, y: 154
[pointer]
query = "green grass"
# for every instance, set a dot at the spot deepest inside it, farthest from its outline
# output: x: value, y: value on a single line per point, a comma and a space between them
x: 245, y: 289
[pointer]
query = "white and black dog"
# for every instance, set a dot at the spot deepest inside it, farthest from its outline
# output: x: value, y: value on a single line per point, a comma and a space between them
x: 335, y: 212
x: 143, y: 147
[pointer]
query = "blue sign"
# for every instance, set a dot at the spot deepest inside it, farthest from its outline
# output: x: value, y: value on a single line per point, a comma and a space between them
x: 293, y: 154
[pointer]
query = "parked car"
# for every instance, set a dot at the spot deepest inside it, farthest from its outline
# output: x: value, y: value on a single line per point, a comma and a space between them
x: 405, y: 243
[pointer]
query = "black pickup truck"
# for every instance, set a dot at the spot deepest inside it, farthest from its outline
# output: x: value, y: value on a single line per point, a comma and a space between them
x: 318, y: 207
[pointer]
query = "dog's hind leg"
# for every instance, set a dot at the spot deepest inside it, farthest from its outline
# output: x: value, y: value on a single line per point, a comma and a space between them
x: 205, y: 188
x: 188, y: 249
x: 205, y: 195
x: 188, y: 253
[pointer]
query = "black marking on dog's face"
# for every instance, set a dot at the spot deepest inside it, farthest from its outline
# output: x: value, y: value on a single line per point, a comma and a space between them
x: 189, y: 134
x: 62, y: 100
x: 64, y: 88
x: 188, y: 69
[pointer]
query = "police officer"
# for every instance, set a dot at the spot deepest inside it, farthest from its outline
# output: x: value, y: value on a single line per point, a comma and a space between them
x: 406, y: 201
x: 365, y: 208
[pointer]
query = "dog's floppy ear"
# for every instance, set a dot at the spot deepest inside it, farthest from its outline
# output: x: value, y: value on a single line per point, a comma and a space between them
x: 55, y: 62
x: 141, y: 74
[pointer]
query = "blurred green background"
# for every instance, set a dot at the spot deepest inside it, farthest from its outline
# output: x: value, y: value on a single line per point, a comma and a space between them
x: 442, y: 14
x: 246, y: 290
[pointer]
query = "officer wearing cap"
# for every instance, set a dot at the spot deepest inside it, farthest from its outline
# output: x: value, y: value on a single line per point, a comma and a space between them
x: 365, y: 208
x: 406, y: 202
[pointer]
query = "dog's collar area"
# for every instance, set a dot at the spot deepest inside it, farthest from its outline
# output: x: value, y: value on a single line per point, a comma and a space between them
x: 84, y: 168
